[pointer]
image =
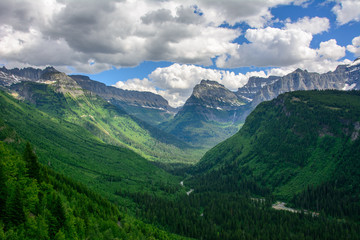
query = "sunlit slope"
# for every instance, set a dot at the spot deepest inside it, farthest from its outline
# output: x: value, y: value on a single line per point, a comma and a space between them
x: 109, y: 123
x: 76, y: 152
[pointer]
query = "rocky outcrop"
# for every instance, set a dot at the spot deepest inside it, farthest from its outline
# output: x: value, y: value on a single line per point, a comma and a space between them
x: 211, y: 101
x: 211, y: 94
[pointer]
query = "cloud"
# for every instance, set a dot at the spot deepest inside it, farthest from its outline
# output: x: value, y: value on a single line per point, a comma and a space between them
x: 287, y: 48
x: 355, y: 47
x: 314, y: 25
x: 331, y: 50
x: 270, y: 47
x: 124, y: 33
x: 175, y: 83
x: 347, y: 11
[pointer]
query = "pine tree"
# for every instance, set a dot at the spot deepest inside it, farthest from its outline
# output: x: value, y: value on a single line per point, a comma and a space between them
x: 14, y: 212
x: 32, y: 164
x: 3, y: 190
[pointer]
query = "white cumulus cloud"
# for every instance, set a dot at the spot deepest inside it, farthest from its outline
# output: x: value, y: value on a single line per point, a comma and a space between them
x: 175, y: 83
x: 347, y: 11
x: 355, y: 46
x: 314, y: 25
x: 270, y: 47
x: 331, y: 50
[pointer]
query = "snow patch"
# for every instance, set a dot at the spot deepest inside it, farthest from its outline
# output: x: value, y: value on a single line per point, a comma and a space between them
x: 349, y: 87
x: 356, y: 62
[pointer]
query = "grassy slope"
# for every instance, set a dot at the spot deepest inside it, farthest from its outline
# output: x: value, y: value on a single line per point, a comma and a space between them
x: 296, y: 140
x: 77, y: 153
x: 112, y: 125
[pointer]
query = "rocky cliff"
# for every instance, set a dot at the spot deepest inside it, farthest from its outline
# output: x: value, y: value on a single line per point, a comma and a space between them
x: 257, y: 90
x: 134, y: 98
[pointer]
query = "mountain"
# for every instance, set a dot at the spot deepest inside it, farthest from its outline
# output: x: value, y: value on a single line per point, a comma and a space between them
x: 73, y: 150
x: 16, y: 75
x: 257, y: 90
x: 72, y: 129
x: 208, y: 116
x: 303, y: 146
x: 61, y: 96
x: 214, y: 113
x: 147, y: 106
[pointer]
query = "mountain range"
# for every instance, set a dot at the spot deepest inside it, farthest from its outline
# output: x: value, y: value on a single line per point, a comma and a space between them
x: 212, y: 113
x: 301, y: 148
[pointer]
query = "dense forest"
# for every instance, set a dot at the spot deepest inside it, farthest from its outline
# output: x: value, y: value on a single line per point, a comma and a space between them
x: 225, y: 205
x: 37, y: 203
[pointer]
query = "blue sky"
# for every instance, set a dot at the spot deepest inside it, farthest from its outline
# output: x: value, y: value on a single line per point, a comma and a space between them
x: 169, y: 46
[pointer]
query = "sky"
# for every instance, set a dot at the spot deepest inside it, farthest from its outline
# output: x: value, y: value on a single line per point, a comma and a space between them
x: 169, y: 46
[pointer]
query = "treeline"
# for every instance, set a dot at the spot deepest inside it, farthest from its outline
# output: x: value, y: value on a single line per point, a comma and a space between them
x: 37, y: 203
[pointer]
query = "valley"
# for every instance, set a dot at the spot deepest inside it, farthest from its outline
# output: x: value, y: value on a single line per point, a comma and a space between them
x: 184, y: 173
x: 179, y: 120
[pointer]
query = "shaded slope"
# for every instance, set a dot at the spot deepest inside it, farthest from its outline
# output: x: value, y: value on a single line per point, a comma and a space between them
x: 297, y: 140
x: 208, y: 116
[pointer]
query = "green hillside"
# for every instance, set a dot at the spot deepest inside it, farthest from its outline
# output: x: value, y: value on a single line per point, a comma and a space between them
x: 37, y: 203
x: 302, y: 146
x: 76, y: 152
x: 109, y: 123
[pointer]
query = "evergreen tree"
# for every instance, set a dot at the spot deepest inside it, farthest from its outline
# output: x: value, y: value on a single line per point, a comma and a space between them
x: 32, y: 163
x: 15, y: 214
x: 3, y: 190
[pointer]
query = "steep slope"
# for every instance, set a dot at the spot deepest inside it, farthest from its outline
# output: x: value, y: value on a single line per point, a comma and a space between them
x: 64, y: 98
x: 147, y: 106
x: 298, y: 140
x: 42, y: 204
x: 75, y: 152
x: 208, y: 116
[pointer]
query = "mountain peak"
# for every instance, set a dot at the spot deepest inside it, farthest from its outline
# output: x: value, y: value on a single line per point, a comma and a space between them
x: 211, y: 83
x: 212, y: 94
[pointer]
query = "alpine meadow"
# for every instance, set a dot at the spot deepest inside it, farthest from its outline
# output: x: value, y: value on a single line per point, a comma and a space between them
x: 191, y: 119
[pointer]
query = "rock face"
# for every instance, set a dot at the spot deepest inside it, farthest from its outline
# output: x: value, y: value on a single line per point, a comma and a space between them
x: 213, y: 101
x: 9, y: 77
x: 134, y: 98
x: 209, y: 116
x: 257, y: 90
x: 149, y: 107
x: 249, y: 91
x: 211, y: 94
